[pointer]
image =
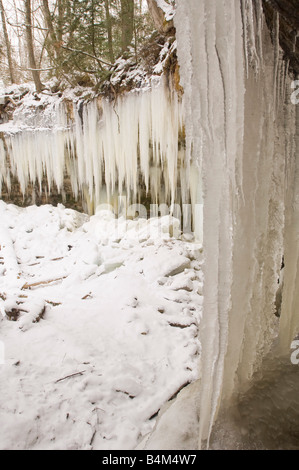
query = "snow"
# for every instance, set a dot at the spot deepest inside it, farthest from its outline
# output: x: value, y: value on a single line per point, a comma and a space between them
x: 166, y: 435
x: 168, y: 8
x: 107, y: 314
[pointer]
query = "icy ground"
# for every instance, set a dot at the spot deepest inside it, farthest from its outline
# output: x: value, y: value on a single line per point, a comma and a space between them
x: 99, y: 324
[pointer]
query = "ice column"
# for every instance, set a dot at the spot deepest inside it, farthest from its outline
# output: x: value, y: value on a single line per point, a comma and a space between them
x: 240, y: 133
x: 289, y: 324
x: 212, y: 77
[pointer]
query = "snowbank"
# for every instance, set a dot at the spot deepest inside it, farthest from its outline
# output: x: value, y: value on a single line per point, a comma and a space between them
x: 104, y: 329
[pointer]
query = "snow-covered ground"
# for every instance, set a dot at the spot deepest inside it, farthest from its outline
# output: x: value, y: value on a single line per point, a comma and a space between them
x: 99, y: 325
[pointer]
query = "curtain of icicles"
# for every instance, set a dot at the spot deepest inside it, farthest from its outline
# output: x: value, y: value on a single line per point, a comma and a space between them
x: 241, y: 131
x: 133, y: 147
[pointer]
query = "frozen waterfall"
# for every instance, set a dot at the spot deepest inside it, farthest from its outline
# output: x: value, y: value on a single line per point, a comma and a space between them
x: 241, y: 133
x: 229, y: 148
x: 133, y: 147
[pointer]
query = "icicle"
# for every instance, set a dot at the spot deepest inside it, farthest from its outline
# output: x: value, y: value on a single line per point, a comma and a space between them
x: 244, y: 149
x: 129, y: 147
x: 289, y: 324
x: 2, y: 164
x: 245, y: 42
x: 252, y: 14
x: 276, y: 59
x: 217, y: 107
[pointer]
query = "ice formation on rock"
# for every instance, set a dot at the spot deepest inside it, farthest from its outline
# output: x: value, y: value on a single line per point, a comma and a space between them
x: 241, y: 136
x: 132, y: 147
x: 240, y: 130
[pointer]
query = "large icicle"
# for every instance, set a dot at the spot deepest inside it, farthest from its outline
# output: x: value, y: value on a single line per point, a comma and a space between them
x: 289, y: 324
x: 217, y: 92
x: 240, y: 135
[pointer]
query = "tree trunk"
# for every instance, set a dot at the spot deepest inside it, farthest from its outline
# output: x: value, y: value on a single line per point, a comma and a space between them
x: 127, y: 22
x: 109, y: 31
x: 61, y: 10
x: 48, y: 20
x: 92, y: 24
x: 30, y: 47
x: 7, y: 44
x: 49, y: 23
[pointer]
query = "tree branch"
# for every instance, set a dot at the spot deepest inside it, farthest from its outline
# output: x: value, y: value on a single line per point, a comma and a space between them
x: 26, y: 69
x: 87, y: 54
x: 24, y: 25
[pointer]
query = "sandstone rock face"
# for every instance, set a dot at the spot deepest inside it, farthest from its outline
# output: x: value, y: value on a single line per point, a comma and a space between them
x: 288, y: 28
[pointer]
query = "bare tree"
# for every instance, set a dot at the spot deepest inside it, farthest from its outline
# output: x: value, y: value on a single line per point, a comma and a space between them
x: 30, y: 46
x: 53, y: 46
x: 48, y: 20
x: 7, y: 44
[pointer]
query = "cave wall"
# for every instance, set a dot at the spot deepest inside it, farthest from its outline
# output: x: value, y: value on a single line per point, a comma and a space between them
x: 288, y: 11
